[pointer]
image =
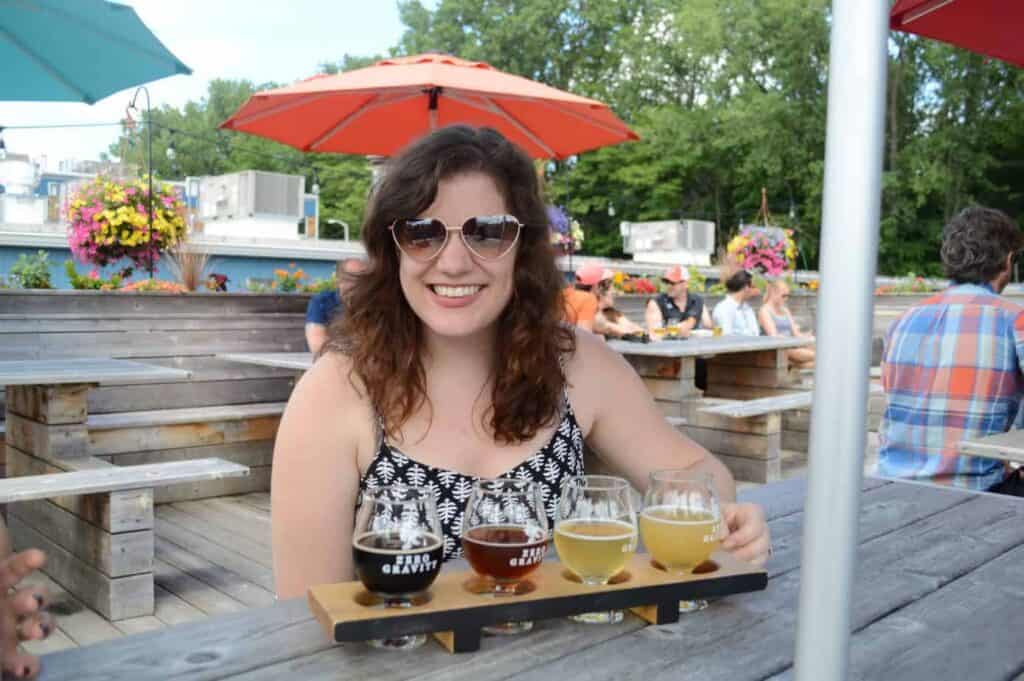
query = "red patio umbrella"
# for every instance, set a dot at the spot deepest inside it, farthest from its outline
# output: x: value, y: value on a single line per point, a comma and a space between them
x: 991, y: 27
x: 380, y: 109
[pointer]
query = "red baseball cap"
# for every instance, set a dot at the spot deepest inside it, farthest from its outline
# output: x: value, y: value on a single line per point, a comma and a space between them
x: 591, y: 275
x: 676, y: 274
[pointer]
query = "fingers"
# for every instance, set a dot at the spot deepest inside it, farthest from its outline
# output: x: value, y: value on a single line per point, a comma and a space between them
x: 748, y: 538
x: 20, y: 565
x: 20, y: 666
x: 29, y: 600
x: 35, y: 627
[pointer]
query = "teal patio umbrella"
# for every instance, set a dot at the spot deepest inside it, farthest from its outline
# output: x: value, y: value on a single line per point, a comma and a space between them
x: 78, y: 51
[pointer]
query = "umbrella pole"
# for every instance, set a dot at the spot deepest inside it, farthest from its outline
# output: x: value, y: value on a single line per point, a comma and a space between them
x: 849, y: 251
x: 149, y: 164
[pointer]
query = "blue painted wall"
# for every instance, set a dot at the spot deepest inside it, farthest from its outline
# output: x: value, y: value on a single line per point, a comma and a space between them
x: 237, y: 269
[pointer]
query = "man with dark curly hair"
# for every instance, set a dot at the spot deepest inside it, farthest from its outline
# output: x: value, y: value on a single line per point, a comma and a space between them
x: 953, y: 367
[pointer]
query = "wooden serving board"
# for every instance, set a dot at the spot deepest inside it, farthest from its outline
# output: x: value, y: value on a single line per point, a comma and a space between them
x: 455, y: 615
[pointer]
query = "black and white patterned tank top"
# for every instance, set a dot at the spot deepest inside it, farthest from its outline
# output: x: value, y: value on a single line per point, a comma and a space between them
x: 560, y: 458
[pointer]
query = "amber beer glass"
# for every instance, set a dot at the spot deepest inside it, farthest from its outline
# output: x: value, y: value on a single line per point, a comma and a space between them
x: 397, y: 550
x: 596, y: 533
x: 504, y: 538
x: 681, y: 523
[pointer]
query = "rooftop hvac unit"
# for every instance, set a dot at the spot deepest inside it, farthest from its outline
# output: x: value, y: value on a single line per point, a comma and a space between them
x: 251, y: 194
x: 665, y: 236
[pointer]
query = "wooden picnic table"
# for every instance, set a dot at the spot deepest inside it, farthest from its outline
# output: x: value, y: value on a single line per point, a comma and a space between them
x: 937, y: 596
x: 1008, y: 446
x: 279, y: 360
x: 739, y: 368
x: 87, y: 370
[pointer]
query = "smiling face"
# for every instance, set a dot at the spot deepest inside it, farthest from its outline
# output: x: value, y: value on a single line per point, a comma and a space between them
x: 457, y: 294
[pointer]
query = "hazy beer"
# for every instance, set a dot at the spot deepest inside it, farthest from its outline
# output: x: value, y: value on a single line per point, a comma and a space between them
x: 679, y: 539
x: 595, y: 550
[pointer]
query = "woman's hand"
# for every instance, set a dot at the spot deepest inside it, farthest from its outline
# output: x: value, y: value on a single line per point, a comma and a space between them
x: 23, y: 615
x: 749, y: 538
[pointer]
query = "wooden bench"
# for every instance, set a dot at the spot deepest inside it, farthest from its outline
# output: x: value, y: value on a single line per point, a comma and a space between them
x: 94, y: 520
x: 224, y: 410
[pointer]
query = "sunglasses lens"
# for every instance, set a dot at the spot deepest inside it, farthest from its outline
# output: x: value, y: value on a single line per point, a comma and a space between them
x: 420, y: 239
x: 491, y: 236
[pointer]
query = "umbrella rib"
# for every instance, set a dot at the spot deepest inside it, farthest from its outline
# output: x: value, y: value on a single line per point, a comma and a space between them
x: 924, y: 11
x: 47, y: 66
x: 377, y: 102
x: 494, y: 108
x: 278, y: 108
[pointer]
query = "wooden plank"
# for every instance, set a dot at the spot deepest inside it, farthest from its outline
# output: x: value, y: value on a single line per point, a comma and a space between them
x: 670, y: 389
x: 258, y: 480
x: 78, y: 370
x: 751, y: 469
x: 736, y: 444
x: 751, y: 637
x: 172, y: 610
x: 47, y: 441
x: 48, y: 404
x: 747, y: 392
x: 765, y: 359
x: 81, y: 625
x: 764, y: 424
x: 10, y: 324
x: 254, y: 453
x: 213, y: 575
x: 258, y: 500
x: 257, y: 551
x: 168, y: 417
x: 973, y: 625
x: 114, y: 555
x: 1008, y: 446
x: 196, y: 393
x: 752, y: 376
x: 299, y: 361
x: 31, y: 303
x: 192, y: 591
x: 114, y: 512
x: 188, y: 539
x: 147, y: 438
x: 138, y: 344
x: 114, y: 598
x: 708, y: 347
x: 253, y: 526
x: 662, y: 367
x: 763, y: 405
x: 116, y: 478
x: 139, y: 625
x: 795, y: 440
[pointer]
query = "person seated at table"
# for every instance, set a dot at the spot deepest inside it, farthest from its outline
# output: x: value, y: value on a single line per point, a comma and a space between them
x: 326, y: 306
x: 733, y: 315
x: 453, y: 363
x: 580, y: 300
x: 952, y: 365
x: 610, y: 322
x: 23, y: 609
x: 777, y: 320
x: 676, y: 306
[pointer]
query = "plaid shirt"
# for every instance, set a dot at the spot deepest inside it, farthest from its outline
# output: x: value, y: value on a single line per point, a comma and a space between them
x: 952, y: 371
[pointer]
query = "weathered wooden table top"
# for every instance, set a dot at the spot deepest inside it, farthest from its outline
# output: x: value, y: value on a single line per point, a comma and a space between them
x: 1008, y: 446
x: 937, y: 596
x: 84, y: 370
x: 708, y: 347
x: 280, y: 360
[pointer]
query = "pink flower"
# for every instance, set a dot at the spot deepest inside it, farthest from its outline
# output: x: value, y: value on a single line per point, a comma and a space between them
x: 94, y: 274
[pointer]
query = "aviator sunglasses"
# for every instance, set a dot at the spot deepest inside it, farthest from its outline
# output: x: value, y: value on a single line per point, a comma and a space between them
x: 488, y: 237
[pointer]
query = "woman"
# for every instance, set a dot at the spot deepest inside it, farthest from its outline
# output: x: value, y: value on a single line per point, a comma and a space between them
x: 776, y: 320
x: 608, y: 321
x: 452, y: 364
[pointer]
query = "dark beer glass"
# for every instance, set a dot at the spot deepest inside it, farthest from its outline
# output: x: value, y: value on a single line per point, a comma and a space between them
x: 505, y: 538
x: 397, y: 550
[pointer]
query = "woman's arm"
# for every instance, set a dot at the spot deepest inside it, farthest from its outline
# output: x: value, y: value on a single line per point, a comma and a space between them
x: 764, y: 318
x: 629, y: 433
x: 652, y: 316
x: 705, y: 319
x: 315, y: 478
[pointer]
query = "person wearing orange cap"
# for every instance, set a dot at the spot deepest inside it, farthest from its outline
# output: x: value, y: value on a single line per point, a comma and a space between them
x: 580, y: 301
x: 677, y: 306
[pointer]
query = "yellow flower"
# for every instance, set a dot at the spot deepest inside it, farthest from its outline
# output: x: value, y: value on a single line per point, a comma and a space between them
x: 619, y: 277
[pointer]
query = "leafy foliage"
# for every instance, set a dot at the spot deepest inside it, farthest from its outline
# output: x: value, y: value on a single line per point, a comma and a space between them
x: 32, y: 271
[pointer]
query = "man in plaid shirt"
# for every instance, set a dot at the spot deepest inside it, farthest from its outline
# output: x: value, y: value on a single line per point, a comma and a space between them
x: 953, y: 367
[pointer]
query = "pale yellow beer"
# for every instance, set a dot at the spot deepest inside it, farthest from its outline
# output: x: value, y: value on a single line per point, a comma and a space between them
x: 595, y: 550
x: 679, y: 539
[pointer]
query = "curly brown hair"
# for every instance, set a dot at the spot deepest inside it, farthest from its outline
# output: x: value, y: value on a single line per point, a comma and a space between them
x: 383, y: 336
x: 976, y: 243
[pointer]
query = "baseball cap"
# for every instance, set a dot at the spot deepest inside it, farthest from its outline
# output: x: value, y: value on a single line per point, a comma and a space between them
x: 590, y: 275
x: 676, y: 274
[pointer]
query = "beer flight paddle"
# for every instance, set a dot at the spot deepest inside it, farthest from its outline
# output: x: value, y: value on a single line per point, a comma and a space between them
x: 455, y: 615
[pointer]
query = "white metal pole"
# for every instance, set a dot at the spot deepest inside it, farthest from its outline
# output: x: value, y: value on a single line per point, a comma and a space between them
x: 852, y: 200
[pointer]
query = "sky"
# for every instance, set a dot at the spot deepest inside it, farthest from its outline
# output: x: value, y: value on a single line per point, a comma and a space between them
x: 259, y: 41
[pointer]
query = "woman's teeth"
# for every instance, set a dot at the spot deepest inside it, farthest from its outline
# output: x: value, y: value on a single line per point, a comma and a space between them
x: 456, y: 291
